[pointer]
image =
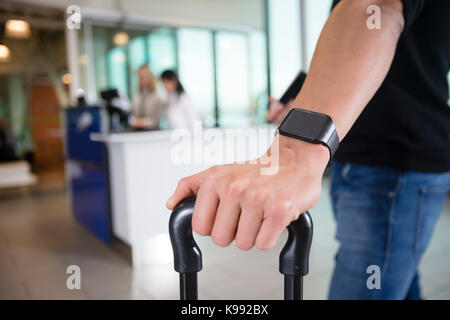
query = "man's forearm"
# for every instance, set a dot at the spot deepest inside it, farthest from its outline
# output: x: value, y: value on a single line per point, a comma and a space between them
x: 350, y: 61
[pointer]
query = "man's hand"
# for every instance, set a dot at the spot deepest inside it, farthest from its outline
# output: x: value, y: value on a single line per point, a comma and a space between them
x: 236, y: 202
x: 277, y: 110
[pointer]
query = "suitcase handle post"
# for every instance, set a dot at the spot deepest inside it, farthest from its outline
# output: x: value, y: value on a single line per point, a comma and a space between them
x: 294, y: 257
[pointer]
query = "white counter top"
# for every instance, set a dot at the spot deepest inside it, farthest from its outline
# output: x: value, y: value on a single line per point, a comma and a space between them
x: 157, y: 135
x: 161, y: 135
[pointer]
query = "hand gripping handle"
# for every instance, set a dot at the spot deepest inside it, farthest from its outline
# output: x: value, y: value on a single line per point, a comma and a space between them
x: 294, y: 258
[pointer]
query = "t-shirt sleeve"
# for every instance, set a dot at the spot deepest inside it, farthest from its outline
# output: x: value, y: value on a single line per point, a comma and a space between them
x: 411, y: 11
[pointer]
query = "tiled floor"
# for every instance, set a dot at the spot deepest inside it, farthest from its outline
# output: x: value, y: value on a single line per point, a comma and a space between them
x: 39, y: 239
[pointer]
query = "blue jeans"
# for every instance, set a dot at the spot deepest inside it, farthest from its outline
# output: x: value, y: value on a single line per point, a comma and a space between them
x: 385, y: 217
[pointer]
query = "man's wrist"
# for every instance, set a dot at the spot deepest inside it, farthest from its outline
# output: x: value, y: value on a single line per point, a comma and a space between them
x: 310, y: 126
x: 314, y: 154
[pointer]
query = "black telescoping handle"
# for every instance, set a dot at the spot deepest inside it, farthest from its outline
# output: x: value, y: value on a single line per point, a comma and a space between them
x: 294, y: 257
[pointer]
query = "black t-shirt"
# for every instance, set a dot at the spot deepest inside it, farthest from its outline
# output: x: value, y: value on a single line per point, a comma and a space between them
x: 406, y: 125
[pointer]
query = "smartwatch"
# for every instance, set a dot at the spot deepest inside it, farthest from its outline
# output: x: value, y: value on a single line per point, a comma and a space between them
x: 311, y: 127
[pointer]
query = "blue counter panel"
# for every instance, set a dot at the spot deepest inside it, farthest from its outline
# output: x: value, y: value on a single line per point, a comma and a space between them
x: 90, y: 202
x: 80, y: 123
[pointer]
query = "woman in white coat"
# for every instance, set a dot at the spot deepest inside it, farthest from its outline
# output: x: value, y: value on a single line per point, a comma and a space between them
x: 180, y: 111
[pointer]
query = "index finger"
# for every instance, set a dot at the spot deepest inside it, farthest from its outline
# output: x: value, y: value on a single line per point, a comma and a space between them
x: 186, y: 187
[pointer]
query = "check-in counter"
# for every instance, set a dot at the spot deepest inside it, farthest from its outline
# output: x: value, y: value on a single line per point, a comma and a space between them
x: 87, y: 171
x: 145, y: 167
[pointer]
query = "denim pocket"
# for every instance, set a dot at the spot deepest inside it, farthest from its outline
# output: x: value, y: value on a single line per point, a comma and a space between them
x: 431, y: 201
x: 371, y: 179
x: 362, y: 221
x: 362, y: 199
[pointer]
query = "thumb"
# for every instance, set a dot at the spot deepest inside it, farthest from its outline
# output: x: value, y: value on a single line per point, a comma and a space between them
x: 186, y: 187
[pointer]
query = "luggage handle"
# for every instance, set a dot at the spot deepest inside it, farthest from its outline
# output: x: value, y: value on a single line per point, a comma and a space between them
x: 294, y: 257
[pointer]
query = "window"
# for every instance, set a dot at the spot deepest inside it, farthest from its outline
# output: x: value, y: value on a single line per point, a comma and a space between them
x: 258, y: 76
x: 233, y: 90
x: 117, y: 66
x: 136, y: 57
x: 162, y: 51
x: 218, y: 68
x: 316, y: 14
x: 285, y: 44
x: 196, y: 70
x: 226, y: 68
x: 100, y: 48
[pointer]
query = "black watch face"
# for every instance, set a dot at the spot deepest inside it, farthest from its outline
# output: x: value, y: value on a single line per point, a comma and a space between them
x: 309, y: 124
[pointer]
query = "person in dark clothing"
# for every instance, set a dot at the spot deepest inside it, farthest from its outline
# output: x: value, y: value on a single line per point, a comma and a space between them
x: 386, y: 91
x: 391, y: 174
x: 7, y: 152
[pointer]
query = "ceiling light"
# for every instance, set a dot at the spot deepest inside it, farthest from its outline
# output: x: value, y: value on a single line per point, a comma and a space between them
x: 121, y: 38
x: 66, y: 78
x: 4, y: 53
x: 17, y: 29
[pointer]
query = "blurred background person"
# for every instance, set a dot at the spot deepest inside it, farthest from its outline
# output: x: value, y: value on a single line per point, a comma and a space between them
x: 180, y: 111
x: 148, y: 106
x: 7, y: 143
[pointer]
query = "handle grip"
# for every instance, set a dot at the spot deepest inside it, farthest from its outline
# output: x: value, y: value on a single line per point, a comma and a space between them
x: 186, y: 253
x: 294, y: 257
